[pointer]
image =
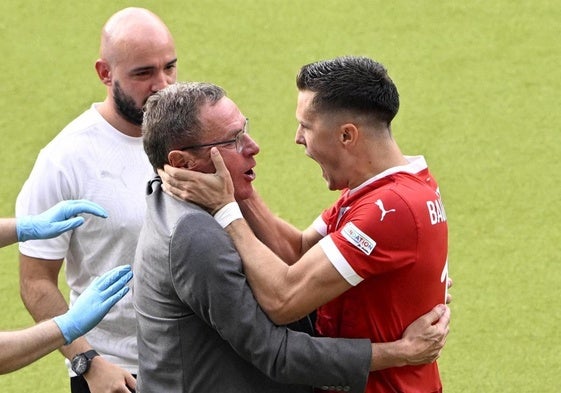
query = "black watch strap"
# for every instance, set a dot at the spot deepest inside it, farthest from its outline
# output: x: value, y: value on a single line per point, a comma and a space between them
x: 92, y: 353
x: 81, y: 362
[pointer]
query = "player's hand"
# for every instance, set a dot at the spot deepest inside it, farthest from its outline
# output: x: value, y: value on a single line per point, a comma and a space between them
x: 96, y: 301
x: 426, y: 336
x: 209, y: 190
x: 105, y: 377
x: 58, y: 219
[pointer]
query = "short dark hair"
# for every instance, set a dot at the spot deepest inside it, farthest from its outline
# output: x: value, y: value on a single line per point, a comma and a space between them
x: 171, y: 118
x: 351, y: 83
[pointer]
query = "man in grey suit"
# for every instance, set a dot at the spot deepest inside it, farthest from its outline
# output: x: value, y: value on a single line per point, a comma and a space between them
x: 199, y: 327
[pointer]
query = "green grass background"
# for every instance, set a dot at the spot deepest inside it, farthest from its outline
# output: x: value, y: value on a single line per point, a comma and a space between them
x: 479, y: 84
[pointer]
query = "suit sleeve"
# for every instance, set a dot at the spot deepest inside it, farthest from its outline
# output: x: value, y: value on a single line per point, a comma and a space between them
x: 214, y: 286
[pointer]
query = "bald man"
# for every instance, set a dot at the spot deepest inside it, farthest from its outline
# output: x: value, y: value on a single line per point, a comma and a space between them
x: 99, y: 157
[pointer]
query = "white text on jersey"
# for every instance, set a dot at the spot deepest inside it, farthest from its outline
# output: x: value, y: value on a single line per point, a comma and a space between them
x: 436, y: 211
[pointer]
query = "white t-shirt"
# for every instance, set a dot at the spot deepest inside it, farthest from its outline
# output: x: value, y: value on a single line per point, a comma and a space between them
x: 92, y: 160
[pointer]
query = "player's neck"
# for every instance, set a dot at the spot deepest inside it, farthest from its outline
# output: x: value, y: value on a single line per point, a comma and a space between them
x: 382, y: 159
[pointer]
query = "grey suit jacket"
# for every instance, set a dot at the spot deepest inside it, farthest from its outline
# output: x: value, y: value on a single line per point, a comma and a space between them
x: 200, y: 328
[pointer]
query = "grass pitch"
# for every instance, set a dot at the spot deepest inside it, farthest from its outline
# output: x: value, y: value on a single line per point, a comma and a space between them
x: 479, y: 85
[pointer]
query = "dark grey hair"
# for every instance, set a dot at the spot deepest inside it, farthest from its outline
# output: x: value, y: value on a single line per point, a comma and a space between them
x: 171, y: 118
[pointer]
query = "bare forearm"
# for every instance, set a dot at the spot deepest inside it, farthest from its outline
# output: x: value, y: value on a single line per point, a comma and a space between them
x: 386, y: 355
x: 280, y: 236
x: 42, y: 299
x: 22, y: 347
x: 47, y: 304
x: 421, y: 343
x: 285, y: 292
x: 265, y: 271
x: 404, y: 352
x: 7, y: 231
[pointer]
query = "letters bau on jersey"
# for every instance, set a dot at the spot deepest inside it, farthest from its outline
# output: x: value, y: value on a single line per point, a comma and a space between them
x: 436, y: 211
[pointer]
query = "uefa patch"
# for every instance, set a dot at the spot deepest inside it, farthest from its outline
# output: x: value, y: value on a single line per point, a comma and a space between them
x: 357, y: 238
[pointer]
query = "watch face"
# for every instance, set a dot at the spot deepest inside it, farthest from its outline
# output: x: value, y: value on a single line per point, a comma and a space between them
x: 80, y: 364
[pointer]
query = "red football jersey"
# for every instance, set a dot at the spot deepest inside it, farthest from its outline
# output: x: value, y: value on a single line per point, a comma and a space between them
x: 389, y: 239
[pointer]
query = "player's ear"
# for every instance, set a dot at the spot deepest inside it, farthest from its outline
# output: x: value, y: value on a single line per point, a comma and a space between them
x: 103, y: 72
x: 181, y: 159
x: 348, y: 133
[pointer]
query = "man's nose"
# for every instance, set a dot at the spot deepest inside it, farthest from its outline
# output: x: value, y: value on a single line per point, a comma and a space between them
x: 250, y: 146
x: 298, y: 138
x: 161, y: 81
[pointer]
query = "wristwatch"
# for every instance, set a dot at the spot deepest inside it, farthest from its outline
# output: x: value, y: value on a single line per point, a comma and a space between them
x: 81, y: 362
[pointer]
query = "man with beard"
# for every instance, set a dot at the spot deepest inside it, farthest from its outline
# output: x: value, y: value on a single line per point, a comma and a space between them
x: 99, y: 157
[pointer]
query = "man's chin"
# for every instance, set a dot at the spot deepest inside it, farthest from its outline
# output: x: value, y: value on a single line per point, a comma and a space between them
x: 244, y: 194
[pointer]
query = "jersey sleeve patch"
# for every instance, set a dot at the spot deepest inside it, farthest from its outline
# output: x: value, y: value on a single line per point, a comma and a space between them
x: 358, y: 238
x: 338, y: 261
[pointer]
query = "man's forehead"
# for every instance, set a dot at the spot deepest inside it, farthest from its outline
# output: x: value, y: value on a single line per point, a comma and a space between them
x: 222, y: 115
x: 304, y: 108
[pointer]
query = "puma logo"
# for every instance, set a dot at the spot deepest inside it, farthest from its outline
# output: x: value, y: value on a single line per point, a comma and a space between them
x: 380, y: 204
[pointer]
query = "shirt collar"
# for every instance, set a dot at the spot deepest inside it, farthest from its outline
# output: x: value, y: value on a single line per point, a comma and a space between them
x: 415, y: 164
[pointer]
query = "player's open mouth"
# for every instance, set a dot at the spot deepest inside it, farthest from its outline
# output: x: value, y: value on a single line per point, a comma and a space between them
x: 250, y: 173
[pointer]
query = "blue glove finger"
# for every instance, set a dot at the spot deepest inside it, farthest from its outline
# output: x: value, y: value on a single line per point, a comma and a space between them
x: 78, y: 321
x: 110, y: 301
x: 39, y: 227
x: 57, y: 228
x: 117, y: 285
x: 96, y: 301
x: 74, y: 207
x: 56, y: 220
x: 114, y: 278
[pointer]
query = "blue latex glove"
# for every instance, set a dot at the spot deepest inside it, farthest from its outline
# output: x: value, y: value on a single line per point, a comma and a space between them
x: 57, y: 220
x: 96, y: 301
